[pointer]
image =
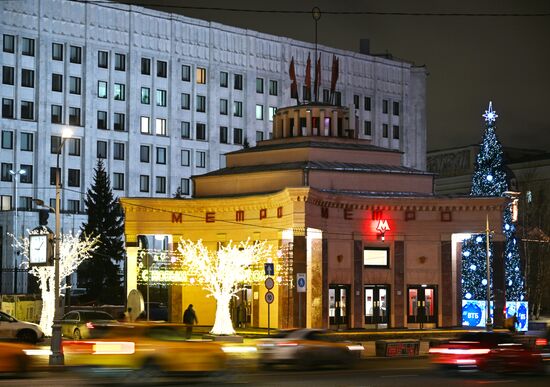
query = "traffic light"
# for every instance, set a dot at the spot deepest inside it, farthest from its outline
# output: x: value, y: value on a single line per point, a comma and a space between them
x: 43, y: 217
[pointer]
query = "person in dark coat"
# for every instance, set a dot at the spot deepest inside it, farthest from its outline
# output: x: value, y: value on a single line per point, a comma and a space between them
x: 189, y: 318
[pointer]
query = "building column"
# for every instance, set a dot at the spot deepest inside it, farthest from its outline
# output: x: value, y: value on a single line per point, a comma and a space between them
x: 499, y: 283
x: 399, y: 285
x: 299, y: 266
x: 175, y: 305
x: 334, y: 124
x: 357, y: 290
x: 286, y: 124
x: 297, y: 129
x: 322, y: 123
x: 325, y: 322
x: 446, y: 291
x: 314, y: 276
x: 309, y: 129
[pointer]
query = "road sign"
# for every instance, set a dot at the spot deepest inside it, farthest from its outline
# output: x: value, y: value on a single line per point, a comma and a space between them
x: 301, y: 282
x: 269, y: 297
x: 269, y: 268
x: 269, y: 283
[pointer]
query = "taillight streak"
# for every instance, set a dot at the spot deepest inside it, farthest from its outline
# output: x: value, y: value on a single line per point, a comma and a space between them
x: 89, y: 325
x: 456, y: 351
x: 287, y: 344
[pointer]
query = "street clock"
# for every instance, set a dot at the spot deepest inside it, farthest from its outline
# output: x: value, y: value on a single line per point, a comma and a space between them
x: 39, y: 249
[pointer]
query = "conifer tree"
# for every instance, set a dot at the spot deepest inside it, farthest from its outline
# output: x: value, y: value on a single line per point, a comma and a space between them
x: 100, y: 274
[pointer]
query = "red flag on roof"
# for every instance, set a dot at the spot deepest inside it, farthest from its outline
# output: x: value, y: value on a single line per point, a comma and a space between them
x: 334, y: 74
x: 308, y: 78
x: 292, y: 71
x: 317, y: 82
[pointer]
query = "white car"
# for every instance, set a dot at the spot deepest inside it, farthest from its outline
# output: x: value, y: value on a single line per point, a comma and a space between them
x: 13, y: 329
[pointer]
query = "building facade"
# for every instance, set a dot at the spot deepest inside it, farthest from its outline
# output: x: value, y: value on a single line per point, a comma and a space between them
x: 160, y: 97
x: 376, y: 246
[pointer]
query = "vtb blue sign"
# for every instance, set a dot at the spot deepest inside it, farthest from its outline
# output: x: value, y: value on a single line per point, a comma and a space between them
x: 472, y: 314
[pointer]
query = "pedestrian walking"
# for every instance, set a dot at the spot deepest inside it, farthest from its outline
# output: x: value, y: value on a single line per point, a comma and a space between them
x: 189, y: 318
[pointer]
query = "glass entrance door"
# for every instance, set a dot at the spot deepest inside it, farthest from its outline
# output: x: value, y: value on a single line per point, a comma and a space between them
x: 422, y: 304
x: 338, y: 305
x: 377, y: 304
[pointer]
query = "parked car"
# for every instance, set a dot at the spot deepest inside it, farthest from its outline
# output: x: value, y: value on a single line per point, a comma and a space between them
x: 307, y: 347
x: 84, y: 324
x: 147, y: 350
x: 494, y: 352
x: 13, y: 329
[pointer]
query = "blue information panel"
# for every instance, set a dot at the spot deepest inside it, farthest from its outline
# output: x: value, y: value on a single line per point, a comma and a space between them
x: 474, y: 313
x: 521, y: 310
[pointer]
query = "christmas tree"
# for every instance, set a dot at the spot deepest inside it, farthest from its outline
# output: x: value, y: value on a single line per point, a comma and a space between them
x: 490, y: 179
x: 100, y: 274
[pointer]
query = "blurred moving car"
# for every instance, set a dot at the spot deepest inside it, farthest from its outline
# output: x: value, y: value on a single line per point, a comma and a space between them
x: 488, y: 351
x: 306, y: 348
x: 13, y: 329
x: 83, y: 324
x: 14, y: 358
x: 148, y: 350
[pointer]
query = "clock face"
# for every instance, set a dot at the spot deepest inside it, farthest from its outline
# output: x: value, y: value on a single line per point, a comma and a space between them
x: 38, y: 249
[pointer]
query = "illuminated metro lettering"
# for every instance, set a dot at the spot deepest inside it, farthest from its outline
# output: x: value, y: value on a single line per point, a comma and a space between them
x: 239, y: 216
x: 210, y: 217
x: 263, y: 213
x: 177, y: 217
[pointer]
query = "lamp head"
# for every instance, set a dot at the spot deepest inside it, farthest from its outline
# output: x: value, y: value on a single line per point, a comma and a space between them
x: 67, y: 133
x: 20, y: 172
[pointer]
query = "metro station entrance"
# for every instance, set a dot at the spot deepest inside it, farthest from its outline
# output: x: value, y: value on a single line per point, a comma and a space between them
x: 422, y: 305
x: 338, y: 306
x: 377, y: 305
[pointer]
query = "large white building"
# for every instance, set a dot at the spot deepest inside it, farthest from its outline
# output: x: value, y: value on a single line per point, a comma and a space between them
x: 160, y: 97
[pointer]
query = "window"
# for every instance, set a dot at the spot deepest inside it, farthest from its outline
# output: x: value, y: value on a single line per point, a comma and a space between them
x: 259, y: 85
x: 367, y: 128
x: 367, y: 103
x: 185, y: 73
x: 162, y: 69
x: 118, y: 181
x: 161, y: 155
x: 8, y: 75
x: 338, y: 98
x: 119, y: 92
x: 27, y: 47
x: 223, y: 135
x: 27, y: 110
x: 74, y: 146
x: 184, y: 186
x: 160, y: 126
x: 144, y: 183
x: 223, y: 107
x: 259, y: 112
x: 57, y: 114
x: 27, y: 78
x: 273, y: 87
x: 185, y: 129
x: 119, y: 122
x: 201, y: 75
x: 74, y: 178
x: 326, y: 95
x: 356, y: 101
x: 238, y: 82
x: 161, y: 97
x: 7, y: 108
x: 74, y: 85
x: 144, y: 153
x: 6, y: 175
x: 75, y: 54
x: 118, y: 151
x: 27, y: 176
x: 53, y: 173
x: 201, y: 159
x: 385, y: 130
x: 27, y: 142
x: 101, y: 119
x: 5, y: 202
x: 385, y: 106
x: 9, y: 43
x: 396, y: 132
x: 120, y: 62
x: 396, y: 108
x: 272, y: 112
x: 7, y: 139
x: 185, y: 100
x: 161, y: 184
x: 224, y: 79
x: 200, y: 131
x: 373, y: 256
x: 146, y: 66
x: 57, y: 51
x: 145, y: 92
x: 103, y: 59
x: 101, y: 89
x: 73, y: 206
x: 259, y: 135
x: 185, y: 157
x: 57, y: 82
x: 201, y: 103
x: 102, y: 149
x: 237, y: 108
x: 74, y: 116
x: 145, y: 126
x: 55, y: 143
x: 237, y: 136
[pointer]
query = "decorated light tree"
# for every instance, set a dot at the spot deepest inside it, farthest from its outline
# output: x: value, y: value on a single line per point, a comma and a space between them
x: 74, y: 249
x: 223, y: 273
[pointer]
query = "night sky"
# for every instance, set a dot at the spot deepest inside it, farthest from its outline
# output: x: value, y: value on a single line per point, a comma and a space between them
x: 470, y: 59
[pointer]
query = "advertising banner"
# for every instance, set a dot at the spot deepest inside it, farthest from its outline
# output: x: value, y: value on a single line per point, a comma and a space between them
x: 521, y: 310
x: 474, y: 313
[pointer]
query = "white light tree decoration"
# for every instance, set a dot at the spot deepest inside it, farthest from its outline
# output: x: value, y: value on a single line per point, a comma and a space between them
x: 74, y: 249
x: 223, y: 273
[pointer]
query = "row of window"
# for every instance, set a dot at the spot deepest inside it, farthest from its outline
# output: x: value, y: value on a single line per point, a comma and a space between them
x: 367, y: 105
x: 385, y: 130
x: 73, y: 175
x: 26, y: 203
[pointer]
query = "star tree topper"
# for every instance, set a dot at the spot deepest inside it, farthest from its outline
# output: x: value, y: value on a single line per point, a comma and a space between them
x: 490, y: 115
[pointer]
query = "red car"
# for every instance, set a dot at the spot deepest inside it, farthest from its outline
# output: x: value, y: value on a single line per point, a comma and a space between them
x: 488, y: 351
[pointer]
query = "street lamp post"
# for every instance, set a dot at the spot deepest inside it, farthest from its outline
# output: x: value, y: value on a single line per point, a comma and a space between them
x: 489, y: 322
x: 56, y: 356
x: 16, y: 175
